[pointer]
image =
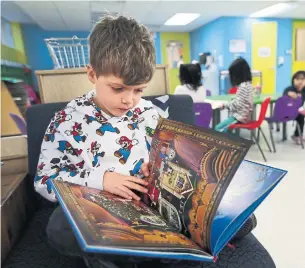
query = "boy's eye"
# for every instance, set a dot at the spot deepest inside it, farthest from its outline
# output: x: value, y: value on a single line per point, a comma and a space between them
x: 140, y: 90
x: 118, y: 89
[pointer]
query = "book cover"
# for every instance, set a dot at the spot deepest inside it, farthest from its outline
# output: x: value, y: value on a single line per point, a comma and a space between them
x: 196, y: 200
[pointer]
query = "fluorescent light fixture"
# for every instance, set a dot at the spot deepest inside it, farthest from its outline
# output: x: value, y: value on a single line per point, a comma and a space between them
x: 273, y: 10
x: 182, y: 19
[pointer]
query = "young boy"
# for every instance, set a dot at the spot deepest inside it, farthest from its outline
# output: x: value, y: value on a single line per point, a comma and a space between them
x: 97, y: 139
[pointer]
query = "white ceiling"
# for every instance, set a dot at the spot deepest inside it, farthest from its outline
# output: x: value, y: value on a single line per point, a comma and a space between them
x: 78, y: 15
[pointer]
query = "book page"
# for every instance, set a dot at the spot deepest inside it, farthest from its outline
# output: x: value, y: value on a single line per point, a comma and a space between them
x: 250, y: 185
x: 103, y: 221
x: 190, y: 170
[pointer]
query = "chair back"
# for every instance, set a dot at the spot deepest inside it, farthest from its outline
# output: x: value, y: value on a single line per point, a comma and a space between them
x: 232, y: 90
x: 286, y: 109
x: 203, y: 114
x: 208, y: 93
x: 263, y: 111
x: 20, y: 122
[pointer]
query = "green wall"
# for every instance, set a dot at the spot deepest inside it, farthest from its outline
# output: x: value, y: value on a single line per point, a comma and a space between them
x: 184, y: 38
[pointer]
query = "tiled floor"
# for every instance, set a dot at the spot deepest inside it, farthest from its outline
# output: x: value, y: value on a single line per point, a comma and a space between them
x: 281, y: 217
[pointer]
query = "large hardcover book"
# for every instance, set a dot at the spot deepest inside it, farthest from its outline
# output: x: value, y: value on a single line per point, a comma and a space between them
x: 200, y: 193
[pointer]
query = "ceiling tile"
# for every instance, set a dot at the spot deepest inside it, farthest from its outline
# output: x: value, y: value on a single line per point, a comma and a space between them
x: 63, y: 15
x: 44, y: 13
x: 76, y: 17
x: 12, y: 12
x: 107, y: 6
x: 298, y: 13
x: 139, y: 9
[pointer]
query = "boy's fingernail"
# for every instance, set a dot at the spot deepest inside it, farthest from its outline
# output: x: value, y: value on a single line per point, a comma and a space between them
x: 146, y: 190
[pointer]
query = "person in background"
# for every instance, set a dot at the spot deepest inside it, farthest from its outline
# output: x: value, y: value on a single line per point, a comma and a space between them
x: 241, y: 106
x: 190, y: 78
x: 210, y: 75
x: 297, y: 89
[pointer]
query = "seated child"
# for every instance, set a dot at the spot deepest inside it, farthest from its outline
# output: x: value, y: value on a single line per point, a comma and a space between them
x: 98, y: 139
x: 241, y: 106
x: 297, y: 89
x: 190, y: 78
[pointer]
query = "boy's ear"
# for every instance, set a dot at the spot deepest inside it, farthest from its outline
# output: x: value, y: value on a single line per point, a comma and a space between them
x: 91, y: 74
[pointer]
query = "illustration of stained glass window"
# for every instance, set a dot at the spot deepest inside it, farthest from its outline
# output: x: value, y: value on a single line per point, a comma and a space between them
x: 180, y: 182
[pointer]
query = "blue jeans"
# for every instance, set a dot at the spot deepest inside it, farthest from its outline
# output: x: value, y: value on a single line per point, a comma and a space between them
x: 224, y: 125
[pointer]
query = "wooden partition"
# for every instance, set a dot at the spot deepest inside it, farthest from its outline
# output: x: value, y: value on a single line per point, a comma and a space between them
x: 14, y: 202
x: 66, y: 84
x: 8, y: 105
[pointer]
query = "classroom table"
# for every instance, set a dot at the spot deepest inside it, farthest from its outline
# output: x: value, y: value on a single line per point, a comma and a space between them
x: 215, y: 101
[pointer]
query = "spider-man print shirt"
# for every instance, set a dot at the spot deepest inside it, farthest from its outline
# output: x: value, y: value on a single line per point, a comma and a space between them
x: 82, y: 143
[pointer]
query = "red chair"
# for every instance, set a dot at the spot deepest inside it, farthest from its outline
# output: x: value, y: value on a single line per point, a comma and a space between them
x: 256, y: 124
x: 232, y: 90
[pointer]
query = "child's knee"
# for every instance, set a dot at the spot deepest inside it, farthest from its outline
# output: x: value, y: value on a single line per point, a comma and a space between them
x: 60, y: 234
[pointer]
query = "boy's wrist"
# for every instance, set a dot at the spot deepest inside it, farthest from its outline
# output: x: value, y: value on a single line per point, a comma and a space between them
x: 96, y: 179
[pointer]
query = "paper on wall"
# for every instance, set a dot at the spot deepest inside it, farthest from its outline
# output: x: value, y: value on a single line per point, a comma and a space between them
x: 237, y: 46
x: 264, y: 52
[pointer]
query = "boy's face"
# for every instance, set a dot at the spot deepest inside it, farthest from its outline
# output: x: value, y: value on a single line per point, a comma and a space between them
x: 112, y: 96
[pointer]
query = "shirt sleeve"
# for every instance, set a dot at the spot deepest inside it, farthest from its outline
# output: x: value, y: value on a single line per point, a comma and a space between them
x: 242, y: 99
x: 62, y: 158
x: 179, y: 90
x: 152, y: 118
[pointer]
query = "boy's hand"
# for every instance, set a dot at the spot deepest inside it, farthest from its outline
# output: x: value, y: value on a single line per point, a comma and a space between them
x: 121, y: 185
x: 145, y: 169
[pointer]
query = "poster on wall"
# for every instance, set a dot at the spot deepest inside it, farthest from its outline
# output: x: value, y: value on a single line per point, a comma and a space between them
x: 237, y: 46
x: 174, y: 54
x: 264, y: 52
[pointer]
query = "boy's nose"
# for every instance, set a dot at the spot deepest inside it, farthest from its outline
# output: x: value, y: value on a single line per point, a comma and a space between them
x: 127, y: 99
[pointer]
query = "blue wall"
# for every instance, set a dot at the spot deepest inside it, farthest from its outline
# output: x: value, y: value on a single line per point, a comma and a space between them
x: 35, y: 48
x: 218, y: 33
x: 208, y: 38
x: 158, y: 48
x: 38, y: 54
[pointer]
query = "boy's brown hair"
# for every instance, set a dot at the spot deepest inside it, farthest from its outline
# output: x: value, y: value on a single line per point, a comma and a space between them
x: 122, y: 47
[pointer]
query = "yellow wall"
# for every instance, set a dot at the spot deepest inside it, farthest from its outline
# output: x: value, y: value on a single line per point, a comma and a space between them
x: 17, y: 37
x: 174, y: 72
x: 297, y: 65
x: 16, y: 54
x: 264, y: 34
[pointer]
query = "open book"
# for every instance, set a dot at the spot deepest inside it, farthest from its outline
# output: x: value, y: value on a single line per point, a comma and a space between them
x: 201, y: 191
